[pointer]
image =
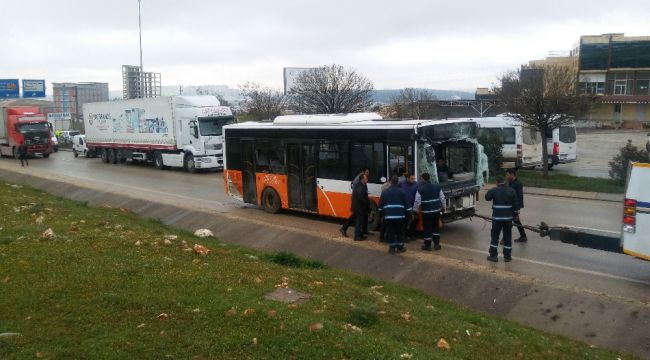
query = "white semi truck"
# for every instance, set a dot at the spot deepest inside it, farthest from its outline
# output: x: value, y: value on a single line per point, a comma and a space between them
x: 170, y: 131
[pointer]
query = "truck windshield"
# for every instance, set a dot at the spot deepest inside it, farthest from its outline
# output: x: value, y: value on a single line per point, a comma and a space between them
x: 23, y: 128
x: 212, y: 126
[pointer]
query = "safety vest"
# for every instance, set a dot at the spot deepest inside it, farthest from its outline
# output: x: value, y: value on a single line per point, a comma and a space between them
x: 430, y: 198
x: 393, y: 203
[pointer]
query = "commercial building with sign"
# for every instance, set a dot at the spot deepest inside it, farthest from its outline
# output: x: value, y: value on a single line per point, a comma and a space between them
x: 616, y: 69
x: 70, y: 97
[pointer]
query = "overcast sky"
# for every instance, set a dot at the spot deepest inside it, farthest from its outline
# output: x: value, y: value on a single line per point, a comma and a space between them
x: 408, y: 43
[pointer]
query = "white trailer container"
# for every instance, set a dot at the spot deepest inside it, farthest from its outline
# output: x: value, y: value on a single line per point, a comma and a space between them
x: 170, y: 131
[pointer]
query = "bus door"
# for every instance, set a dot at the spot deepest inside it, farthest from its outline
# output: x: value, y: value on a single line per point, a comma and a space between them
x: 301, y: 171
x: 248, y: 171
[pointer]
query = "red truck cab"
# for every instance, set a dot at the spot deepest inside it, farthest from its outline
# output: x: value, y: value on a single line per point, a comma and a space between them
x: 24, y: 124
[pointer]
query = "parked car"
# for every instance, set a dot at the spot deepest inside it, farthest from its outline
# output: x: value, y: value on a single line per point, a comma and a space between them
x: 66, y: 136
x: 562, y: 145
x: 522, y: 146
x: 79, y: 146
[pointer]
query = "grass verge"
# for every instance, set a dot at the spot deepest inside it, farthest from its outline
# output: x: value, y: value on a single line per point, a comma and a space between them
x: 569, y: 182
x: 108, y: 284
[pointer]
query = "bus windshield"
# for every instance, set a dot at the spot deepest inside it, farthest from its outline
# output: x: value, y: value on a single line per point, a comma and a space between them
x: 27, y: 127
x: 212, y: 126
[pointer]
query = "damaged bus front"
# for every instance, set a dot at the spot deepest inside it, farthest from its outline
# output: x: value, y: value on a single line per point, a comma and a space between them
x: 449, y: 151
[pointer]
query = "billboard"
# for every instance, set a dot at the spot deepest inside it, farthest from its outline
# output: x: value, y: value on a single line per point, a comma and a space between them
x: 9, y: 88
x: 33, y: 88
x: 290, y: 76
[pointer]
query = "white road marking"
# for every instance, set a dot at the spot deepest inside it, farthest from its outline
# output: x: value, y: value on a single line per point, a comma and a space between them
x: 557, y: 266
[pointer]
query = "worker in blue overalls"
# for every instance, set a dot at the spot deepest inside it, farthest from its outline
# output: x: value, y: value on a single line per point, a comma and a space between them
x: 504, y: 206
x: 394, y: 207
x: 430, y: 199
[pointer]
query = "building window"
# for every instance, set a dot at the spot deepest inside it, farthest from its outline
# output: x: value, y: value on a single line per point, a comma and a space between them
x: 620, y: 83
x: 642, y: 83
x: 593, y: 88
x: 617, y: 108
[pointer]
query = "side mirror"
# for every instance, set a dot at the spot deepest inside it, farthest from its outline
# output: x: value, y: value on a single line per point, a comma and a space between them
x: 196, y: 132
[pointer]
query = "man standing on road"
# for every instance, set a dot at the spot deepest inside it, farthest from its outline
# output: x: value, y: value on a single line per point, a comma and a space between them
x: 518, y: 187
x: 352, y: 219
x: 410, y: 187
x: 22, y: 154
x: 504, y: 206
x: 394, y: 207
x: 430, y: 199
x: 360, y: 208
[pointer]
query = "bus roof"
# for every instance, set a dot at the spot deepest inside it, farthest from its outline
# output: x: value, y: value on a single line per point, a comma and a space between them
x: 345, y: 121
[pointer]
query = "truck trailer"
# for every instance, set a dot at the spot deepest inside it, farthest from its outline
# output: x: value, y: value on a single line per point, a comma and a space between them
x: 24, y: 124
x: 170, y: 131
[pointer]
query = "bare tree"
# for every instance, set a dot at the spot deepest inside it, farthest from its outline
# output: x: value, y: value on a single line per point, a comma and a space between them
x: 262, y: 103
x: 413, y: 104
x: 331, y: 89
x: 542, y: 98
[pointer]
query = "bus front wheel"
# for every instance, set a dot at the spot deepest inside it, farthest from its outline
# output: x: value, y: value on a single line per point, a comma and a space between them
x: 271, y: 201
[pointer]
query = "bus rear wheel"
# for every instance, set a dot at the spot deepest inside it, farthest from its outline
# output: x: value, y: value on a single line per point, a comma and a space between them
x: 374, y: 218
x: 271, y: 201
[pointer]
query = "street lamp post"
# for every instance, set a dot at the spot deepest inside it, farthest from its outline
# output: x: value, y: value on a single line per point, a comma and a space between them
x: 141, y: 69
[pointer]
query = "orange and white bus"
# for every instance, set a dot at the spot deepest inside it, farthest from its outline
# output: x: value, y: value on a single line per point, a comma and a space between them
x: 307, y: 162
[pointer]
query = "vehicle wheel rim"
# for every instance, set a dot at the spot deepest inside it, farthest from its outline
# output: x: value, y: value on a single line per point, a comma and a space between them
x: 190, y: 163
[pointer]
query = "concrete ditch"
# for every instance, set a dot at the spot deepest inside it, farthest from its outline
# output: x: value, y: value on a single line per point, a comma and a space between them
x: 599, y: 319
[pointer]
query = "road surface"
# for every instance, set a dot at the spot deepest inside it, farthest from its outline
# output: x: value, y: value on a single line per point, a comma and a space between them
x: 556, y: 263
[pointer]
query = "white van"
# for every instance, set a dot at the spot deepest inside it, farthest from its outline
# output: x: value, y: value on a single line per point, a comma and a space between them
x: 79, y: 146
x: 635, y: 233
x: 562, y: 145
x: 522, y: 146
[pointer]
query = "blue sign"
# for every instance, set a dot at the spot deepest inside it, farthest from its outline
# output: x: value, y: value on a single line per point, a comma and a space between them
x: 33, y: 88
x: 9, y: 88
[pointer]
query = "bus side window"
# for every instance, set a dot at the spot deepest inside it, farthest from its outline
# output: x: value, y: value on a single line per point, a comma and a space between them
x: 369, y: 156
x: 333, y: 160
x: 270, y: 157
x: 233, y: 153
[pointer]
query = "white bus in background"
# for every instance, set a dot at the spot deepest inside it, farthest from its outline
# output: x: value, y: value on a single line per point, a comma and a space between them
x: 522, y: 146
x: 562, y: 145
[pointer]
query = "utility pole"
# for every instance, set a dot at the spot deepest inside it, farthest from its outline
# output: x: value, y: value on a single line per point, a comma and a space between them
x: 141, y: 68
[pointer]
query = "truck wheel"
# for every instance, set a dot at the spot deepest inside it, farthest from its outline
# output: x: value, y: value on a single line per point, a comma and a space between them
x: 112, y: 156
x: 46, y: 155
x: 190, y: 166
x: 104, y: 155
x: 374, y: 218
x: 271, y: 201
x: 158, y: 160
x: 75, y: 153
x: 14, y: 153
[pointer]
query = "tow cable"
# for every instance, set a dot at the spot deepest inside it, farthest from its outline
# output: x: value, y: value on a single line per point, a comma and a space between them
x: 579, y: 237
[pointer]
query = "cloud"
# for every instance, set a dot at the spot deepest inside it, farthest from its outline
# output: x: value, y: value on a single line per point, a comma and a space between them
x: 457, y: 45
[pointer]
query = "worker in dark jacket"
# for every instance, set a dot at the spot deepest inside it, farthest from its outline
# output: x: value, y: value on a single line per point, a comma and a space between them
x: 504, y: 206
x: 353, y: 218
x: 518, y: 187
x: 22, y: 154
x: 360, y: 206
x: 394, y: 207
x: 430, y: 200
x: 410, y: 187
